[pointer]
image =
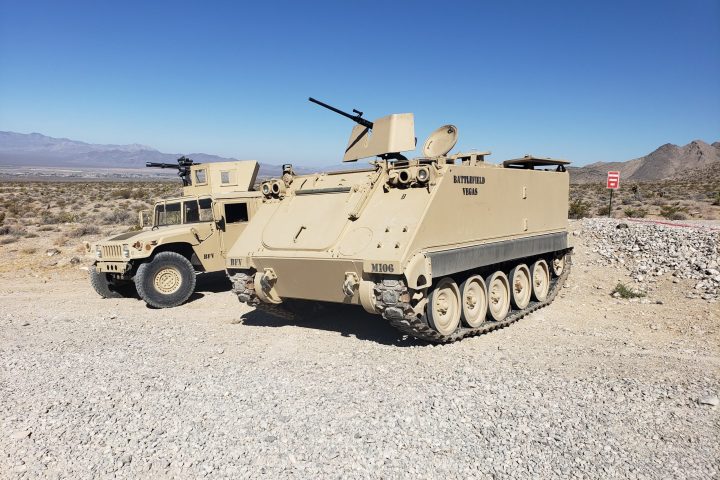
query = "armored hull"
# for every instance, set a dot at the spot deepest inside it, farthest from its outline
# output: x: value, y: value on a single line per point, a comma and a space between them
x: 441, y: 247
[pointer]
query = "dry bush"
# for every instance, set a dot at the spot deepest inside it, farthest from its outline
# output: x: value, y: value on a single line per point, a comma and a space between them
x: 8, y: 239
x: 60, y: 241
x: 84, y: 230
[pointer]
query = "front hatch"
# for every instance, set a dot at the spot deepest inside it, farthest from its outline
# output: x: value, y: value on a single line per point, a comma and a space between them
x: 314, y: 217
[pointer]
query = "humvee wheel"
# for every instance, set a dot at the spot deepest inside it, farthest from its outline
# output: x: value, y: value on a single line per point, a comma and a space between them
x: 104, y: 285
x: 521, y: 286
x: 558, y: 264
x: 540, y: 280
x: 498, y: 288
x: 166, y: 281
x: 443, y: 307
x: 474, y: 301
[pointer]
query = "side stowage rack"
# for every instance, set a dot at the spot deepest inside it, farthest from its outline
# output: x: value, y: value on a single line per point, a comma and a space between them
x: 529, y: 162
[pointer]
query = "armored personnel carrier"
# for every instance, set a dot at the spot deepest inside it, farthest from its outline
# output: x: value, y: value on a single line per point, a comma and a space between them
x: 442, y: 246
x: 188, y: 234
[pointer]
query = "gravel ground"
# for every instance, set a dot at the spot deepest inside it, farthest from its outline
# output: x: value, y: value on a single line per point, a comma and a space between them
x: 589, y: 387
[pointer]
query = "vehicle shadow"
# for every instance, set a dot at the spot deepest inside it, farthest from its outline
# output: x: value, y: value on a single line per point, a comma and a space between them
x: 347, y: 320
x: 212, y: 282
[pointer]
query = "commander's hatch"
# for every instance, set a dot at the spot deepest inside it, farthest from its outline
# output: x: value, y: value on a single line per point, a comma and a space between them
x: 530, y: 162
x: 389, y: 135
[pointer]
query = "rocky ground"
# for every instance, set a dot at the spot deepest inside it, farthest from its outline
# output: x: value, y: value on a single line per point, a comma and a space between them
x: 589, y: 387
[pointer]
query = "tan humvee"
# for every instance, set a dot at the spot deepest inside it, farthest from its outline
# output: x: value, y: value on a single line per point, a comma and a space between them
x: 442, y: 246
x: 186, y: 235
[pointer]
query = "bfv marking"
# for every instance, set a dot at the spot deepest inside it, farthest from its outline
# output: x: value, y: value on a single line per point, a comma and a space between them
x: 208, y: 256
x: 383, y: 268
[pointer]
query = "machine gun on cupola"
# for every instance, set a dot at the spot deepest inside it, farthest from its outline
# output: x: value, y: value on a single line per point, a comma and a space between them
x: 183, y: 167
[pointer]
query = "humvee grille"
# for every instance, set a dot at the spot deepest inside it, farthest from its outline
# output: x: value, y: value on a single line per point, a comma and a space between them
x: 111, y: 251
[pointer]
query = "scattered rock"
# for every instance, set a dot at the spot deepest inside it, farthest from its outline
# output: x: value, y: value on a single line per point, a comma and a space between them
x: 51, y: 252
x: 74, y: 261
x: 711, y: 400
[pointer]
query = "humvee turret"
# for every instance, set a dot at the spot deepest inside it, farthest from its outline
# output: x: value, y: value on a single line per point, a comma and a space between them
x: 442, y: 246
x: 187, y: 234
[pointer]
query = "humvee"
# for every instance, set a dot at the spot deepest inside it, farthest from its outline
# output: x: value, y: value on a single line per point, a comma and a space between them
x: 185, y: 235
x: 442, y: 246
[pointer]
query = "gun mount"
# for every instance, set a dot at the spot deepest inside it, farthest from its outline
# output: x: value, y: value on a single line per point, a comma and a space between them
x: 183, y: 166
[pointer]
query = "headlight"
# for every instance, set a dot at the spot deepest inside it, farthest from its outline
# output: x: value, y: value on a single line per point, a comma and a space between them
x: 98, y: 251
x: 266, y: 190
x: 423, y: 174
x: 126, y: 250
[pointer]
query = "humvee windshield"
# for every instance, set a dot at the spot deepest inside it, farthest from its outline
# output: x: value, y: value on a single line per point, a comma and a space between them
x: 189, y: 211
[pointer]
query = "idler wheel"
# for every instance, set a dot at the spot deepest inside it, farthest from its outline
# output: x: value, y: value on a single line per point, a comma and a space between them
x: 540, y: 280
x: 521, y: 286
x: 443, y: 308
x: 474, y: 301
x: 558, y: 264
x: 498, y: 288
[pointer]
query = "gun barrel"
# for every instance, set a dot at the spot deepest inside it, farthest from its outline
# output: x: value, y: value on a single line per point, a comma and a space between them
x: 355, y: 118
x: 161, y: 165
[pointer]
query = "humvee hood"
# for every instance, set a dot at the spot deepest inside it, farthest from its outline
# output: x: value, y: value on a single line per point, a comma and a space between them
x: 144, y: 235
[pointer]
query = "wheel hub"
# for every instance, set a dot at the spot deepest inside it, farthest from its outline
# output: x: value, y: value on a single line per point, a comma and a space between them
x: 167, y: 281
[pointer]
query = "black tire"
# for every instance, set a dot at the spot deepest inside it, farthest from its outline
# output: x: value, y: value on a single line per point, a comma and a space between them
x: 166, y: 265
x: 104, y: 285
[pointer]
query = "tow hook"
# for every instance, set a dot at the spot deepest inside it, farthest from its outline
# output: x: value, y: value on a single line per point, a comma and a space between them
x: 350, y: 284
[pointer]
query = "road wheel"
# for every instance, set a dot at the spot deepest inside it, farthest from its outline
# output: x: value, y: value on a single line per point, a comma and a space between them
x: 540, y: 273
x: 104, y: 284
x: 558, y: 264
x: 443, y: 308
x: 521, y: 286
x: 167, y: 281
x: 474, y: 301
x: 498, y: 288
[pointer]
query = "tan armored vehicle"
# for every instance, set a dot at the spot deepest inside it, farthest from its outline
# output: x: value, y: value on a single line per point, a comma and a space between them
x: 187, y: 234
x: 442, y: 246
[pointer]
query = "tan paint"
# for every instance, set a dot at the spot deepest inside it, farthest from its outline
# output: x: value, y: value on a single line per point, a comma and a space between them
x: 224, y: 183
x: 384, y: 222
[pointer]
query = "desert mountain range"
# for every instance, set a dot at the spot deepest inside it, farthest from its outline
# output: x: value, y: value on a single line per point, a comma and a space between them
x: 694, y: 160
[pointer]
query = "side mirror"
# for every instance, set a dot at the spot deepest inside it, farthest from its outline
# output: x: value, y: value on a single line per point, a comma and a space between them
x: 220, y: 224
x: 144, y: 218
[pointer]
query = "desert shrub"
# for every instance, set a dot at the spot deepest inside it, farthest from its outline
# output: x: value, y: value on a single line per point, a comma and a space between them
x: 673, y: 212
x: 45, y: 228
x: 122, y: 193
x: 84, y: 230
x: 635, y: 212
x: 716, y: 199
x: 8, y: 239
x: 578, y: 209
x: 604, y: 210
x: 60, y: 241
x: 2, y: 218
x: 12, y: 230
x: 31, y: 235
x: 626, y: 292
x: 29, y: 250
x: 118, y: 217
x: 62, y: 217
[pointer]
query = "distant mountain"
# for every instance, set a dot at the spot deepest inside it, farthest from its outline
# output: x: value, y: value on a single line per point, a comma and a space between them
x: 695, y: 160
x: 34, y: 149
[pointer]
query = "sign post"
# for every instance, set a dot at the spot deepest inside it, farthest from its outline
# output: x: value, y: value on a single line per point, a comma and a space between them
x: 613, y: 183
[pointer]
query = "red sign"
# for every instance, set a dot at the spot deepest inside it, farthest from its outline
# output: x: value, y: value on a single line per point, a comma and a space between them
x: 613, y: 180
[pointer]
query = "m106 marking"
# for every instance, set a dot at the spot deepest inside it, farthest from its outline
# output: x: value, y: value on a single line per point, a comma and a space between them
x: 383, y: 268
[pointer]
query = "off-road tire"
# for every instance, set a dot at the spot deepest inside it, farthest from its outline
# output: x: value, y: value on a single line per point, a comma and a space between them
x: 103, y: 285
x: 146, y: 281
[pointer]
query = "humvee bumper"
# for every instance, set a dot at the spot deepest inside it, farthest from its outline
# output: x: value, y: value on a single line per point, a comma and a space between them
x: 112, y: 267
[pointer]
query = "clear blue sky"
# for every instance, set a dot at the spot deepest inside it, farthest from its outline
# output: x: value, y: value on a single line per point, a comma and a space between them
x: 582, y: 80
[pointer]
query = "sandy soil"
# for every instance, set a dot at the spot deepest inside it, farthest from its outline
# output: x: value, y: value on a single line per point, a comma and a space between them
x: 81, y: 376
